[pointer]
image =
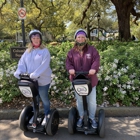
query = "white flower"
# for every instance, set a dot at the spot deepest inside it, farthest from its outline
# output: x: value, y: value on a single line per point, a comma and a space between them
x: 136, y: 98
x: 124, y: 70
x: 128, y: 87
x: 52, y: 92
x: 54, y: 87
x: 119, y: 85
x: 53, y: 83
x: 116, y: 61
x: 1, y: 73
x: 14, y: 67
x: 58, y: 62
x: 57, y: 91
x: 56, y: 77
x: 124, y: 86
x: 127, y: 67
x: 129, y: 82
x: 105, y: 94
x: 105, y: 89
x: 52, y: 75
x: 115, y: 76
x: 0, y: 100
x: 8, y: 75
x: 123, y: 92
x: 110, y: 84
x: 132, y: 76
x: 62, y: 62
x: 12, y: 72
x: 107, y: 77
x: 71, y: 87
x: 114, y: 65
x: 1, y: 86
x: 7, y: 71
x: 115, y: 72
x: 119, y: 73
x: 101, y: 68
x: 52, y: 57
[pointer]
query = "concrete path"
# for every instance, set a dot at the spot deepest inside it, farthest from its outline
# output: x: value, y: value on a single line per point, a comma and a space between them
x: 117, y: 128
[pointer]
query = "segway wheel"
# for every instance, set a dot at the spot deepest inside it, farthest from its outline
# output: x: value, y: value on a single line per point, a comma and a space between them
x: 101, y: 123
x: 72, y: 118
x: 53, y: 122
x: 24, y: 117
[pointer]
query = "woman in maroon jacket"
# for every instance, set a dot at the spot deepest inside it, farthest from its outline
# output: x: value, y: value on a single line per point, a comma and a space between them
x: 83, y: 57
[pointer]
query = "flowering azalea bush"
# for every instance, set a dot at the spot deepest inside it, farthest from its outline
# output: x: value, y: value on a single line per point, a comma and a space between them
x: 8, y: 83
x: 118, y: 75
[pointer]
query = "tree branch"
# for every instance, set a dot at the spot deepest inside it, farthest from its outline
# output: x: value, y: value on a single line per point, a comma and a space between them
x: 37, y: 8
x: 137, y: 15
x: 2, y: 6
x: 84, y: 12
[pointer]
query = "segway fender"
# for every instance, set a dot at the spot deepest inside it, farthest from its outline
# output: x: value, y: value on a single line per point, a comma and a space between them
x: 24, y: 117
x: 72, y: 119
x: 101, y: 123
x: 53, y: 122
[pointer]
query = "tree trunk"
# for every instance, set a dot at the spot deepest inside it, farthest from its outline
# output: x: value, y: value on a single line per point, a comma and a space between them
x: 88, y: 31
x: 123, y: 9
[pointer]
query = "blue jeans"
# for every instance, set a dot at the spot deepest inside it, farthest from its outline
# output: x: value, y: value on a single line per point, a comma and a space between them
x: 91, y: 100
x: 43, y: 94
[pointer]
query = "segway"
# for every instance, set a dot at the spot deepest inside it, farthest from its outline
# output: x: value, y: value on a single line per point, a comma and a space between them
x: 29, y: 88
x: 82, y: 87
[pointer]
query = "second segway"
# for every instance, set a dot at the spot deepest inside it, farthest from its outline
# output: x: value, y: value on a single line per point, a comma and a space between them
x: 82, y: 87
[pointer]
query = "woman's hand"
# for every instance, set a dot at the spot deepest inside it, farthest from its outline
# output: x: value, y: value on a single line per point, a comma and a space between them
x: 72, y: 71
x: 92, y: 72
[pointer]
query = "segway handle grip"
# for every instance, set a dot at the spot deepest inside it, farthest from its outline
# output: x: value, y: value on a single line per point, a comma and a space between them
x: 82, y: 72
x: 24, y: 76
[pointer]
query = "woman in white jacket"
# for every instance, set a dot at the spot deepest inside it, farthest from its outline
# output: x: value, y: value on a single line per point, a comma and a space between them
x: 36, y: 62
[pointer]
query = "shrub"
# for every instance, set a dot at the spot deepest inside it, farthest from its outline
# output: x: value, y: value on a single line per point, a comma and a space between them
x: 118, y: 76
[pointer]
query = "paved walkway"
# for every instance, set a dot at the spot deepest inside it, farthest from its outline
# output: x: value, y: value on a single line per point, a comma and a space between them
x: 117, y: 128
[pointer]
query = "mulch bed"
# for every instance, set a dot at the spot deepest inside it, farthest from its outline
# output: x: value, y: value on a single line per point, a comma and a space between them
x: 20, y: 102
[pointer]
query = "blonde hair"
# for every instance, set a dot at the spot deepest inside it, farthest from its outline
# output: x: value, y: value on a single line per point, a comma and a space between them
x: 30, y: 47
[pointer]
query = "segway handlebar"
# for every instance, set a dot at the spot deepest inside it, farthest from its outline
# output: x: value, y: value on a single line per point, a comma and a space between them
x: 81, y: 72
x: 25, y: 76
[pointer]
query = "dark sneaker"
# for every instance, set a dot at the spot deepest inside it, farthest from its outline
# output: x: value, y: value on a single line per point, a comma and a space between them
x: 80, y: 122
x: 94, y: 123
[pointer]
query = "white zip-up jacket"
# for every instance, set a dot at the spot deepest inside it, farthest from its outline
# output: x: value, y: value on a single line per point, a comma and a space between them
x: 37, y: 64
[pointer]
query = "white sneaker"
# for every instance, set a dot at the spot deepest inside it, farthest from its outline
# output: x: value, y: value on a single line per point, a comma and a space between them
x: 45, y: 120
x: 31, y: 120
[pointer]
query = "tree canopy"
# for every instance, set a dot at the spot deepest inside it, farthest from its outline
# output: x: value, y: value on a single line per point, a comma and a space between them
x: 53, y: 15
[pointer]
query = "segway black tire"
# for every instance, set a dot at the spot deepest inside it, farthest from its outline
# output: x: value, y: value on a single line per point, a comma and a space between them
x: 101, y: 123
x: 72, y: 119
x: 24, y: 117
x: 53, y: 123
